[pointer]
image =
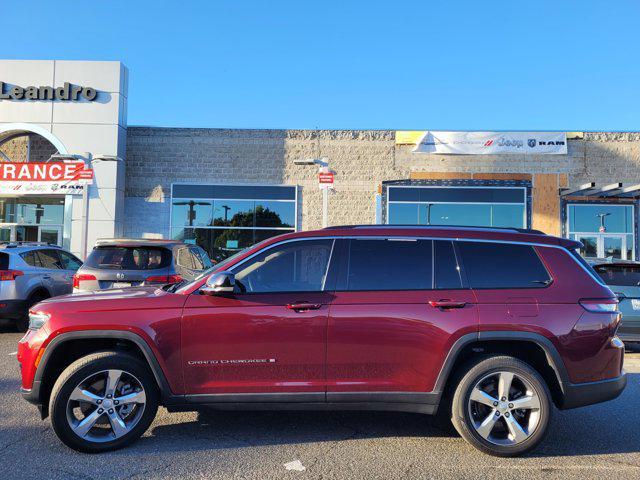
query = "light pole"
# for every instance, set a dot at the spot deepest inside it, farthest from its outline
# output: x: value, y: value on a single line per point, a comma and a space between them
x: 88, y: 159
x: 323, y: 167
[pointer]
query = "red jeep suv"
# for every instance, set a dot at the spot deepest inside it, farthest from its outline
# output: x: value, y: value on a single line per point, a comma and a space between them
x: 487, y: 327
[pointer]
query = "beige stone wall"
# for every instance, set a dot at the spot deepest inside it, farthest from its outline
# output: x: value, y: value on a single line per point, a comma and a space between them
x: 361, y: 159
x: 15, y: 149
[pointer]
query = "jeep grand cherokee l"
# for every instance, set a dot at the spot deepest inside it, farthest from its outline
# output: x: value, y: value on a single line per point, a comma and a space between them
x: 487, y: 327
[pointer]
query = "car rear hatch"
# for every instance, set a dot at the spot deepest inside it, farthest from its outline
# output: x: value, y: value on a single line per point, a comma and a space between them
x: 624, y: 281
x: 115, y: 266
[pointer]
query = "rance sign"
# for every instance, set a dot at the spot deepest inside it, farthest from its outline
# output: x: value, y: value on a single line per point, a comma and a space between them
x: 65, y: 93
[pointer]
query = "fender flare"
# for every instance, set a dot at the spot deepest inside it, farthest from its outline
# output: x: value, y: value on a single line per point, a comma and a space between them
x: 553, y: 357
x: 168, y: 397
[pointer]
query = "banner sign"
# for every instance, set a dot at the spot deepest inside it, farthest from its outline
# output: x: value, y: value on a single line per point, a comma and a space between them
x: 64, y: 178
x: 492, y: 143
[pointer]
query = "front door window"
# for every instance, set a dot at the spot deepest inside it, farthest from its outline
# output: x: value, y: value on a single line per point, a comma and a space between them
x: 605, y: 230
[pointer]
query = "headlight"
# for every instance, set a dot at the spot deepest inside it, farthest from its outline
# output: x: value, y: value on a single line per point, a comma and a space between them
x: 37, y: 319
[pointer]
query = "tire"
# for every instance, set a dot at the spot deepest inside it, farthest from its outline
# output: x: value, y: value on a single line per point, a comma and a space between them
x: 489, y: 427
x: 22, y: 323
x: 91, y: 372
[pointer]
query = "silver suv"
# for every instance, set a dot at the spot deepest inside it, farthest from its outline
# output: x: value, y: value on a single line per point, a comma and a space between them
x: 121, y: 262
x: 29, y: 273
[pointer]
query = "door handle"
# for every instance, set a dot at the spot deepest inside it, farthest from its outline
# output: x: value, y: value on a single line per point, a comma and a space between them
x: 303, y: 306
x: 46, y: 277
x: 446, y: 304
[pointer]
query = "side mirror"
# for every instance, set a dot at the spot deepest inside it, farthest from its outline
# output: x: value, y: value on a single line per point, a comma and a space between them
x: 220, y: 284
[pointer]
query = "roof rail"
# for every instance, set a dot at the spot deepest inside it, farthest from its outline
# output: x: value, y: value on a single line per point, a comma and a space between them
x: 137, y: 240
x: 466, y: 227
x: 28, y: 244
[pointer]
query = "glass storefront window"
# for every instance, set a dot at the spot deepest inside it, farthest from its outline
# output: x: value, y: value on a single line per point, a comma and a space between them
x: 605, y: 230
x: 233, y: 213
x: 32, y: 210
x: 586, y: 218
x: 275, y: 214
x: 228, y: 218
x: 191, y: 212
x: 221, y: 243
x: 466, y: 206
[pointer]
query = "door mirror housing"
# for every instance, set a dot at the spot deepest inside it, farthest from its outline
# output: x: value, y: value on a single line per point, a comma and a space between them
x: 220, y: 284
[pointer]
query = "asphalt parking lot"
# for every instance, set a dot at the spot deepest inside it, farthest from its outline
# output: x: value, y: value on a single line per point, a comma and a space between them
x: 592, y: 442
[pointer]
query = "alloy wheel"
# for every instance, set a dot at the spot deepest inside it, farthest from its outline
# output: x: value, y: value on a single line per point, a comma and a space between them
x: 504, y: 408
x: 106, y: 405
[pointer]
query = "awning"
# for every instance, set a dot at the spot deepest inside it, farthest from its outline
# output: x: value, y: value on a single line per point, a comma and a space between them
x: 612, y: 190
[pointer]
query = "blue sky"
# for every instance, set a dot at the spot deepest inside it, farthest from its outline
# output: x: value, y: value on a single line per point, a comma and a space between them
x: 457, y: 65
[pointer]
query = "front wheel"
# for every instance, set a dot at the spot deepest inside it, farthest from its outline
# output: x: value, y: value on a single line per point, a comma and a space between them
x: 103, y: 401
x: 502, y: 406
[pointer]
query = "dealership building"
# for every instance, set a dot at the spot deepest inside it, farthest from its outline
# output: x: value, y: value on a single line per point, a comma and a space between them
x: 226, y: 189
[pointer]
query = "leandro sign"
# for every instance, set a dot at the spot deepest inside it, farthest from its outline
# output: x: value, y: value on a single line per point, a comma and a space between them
x: 65, y: 93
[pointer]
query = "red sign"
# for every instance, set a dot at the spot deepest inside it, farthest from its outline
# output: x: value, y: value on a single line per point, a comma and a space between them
x: 67, y: 178
x: 325, y: 178
x: 44, y: 172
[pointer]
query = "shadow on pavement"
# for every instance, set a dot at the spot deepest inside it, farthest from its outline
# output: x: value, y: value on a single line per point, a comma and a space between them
x: 608, y: 428
x: 260, y: 428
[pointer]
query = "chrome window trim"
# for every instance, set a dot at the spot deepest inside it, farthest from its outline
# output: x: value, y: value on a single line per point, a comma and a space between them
x: 413, y: 237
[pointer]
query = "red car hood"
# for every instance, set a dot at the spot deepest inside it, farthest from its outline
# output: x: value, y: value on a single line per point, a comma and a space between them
x: 116, y: 299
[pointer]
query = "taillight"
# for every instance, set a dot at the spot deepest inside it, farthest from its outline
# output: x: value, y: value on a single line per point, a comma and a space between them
x: 8, y: 275
x: 164, y: 279
x: 600, y: 305
x: 80, y: 277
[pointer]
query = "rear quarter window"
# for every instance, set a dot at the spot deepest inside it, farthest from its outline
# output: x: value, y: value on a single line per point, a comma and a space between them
x: 503, y: 265
x: 129, y: 258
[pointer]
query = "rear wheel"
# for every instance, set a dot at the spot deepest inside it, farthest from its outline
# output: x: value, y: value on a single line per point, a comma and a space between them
x: 103, y: 401
x: 502, y: 406
x: 22, y: 323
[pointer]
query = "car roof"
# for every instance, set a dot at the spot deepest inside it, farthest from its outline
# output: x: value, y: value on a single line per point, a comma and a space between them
x: 19, y: 247
x: 138, y: 242
x: 440, y: 231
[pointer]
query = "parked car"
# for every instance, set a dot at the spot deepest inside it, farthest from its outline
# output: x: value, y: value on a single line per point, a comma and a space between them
x: 623, y: 277
x: 29, y: 273
x: 487, y: 327
x: 122, y: 262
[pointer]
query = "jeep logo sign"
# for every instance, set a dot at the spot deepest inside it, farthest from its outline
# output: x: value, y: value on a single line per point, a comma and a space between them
x: 66, y: 93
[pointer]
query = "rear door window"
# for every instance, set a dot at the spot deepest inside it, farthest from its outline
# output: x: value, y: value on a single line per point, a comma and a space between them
x: 503, y: 265
x: 49, y: 259
x: 621, y: 275
x: 129, y: 258
x: 31, y: 259
x: 402, y: 264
